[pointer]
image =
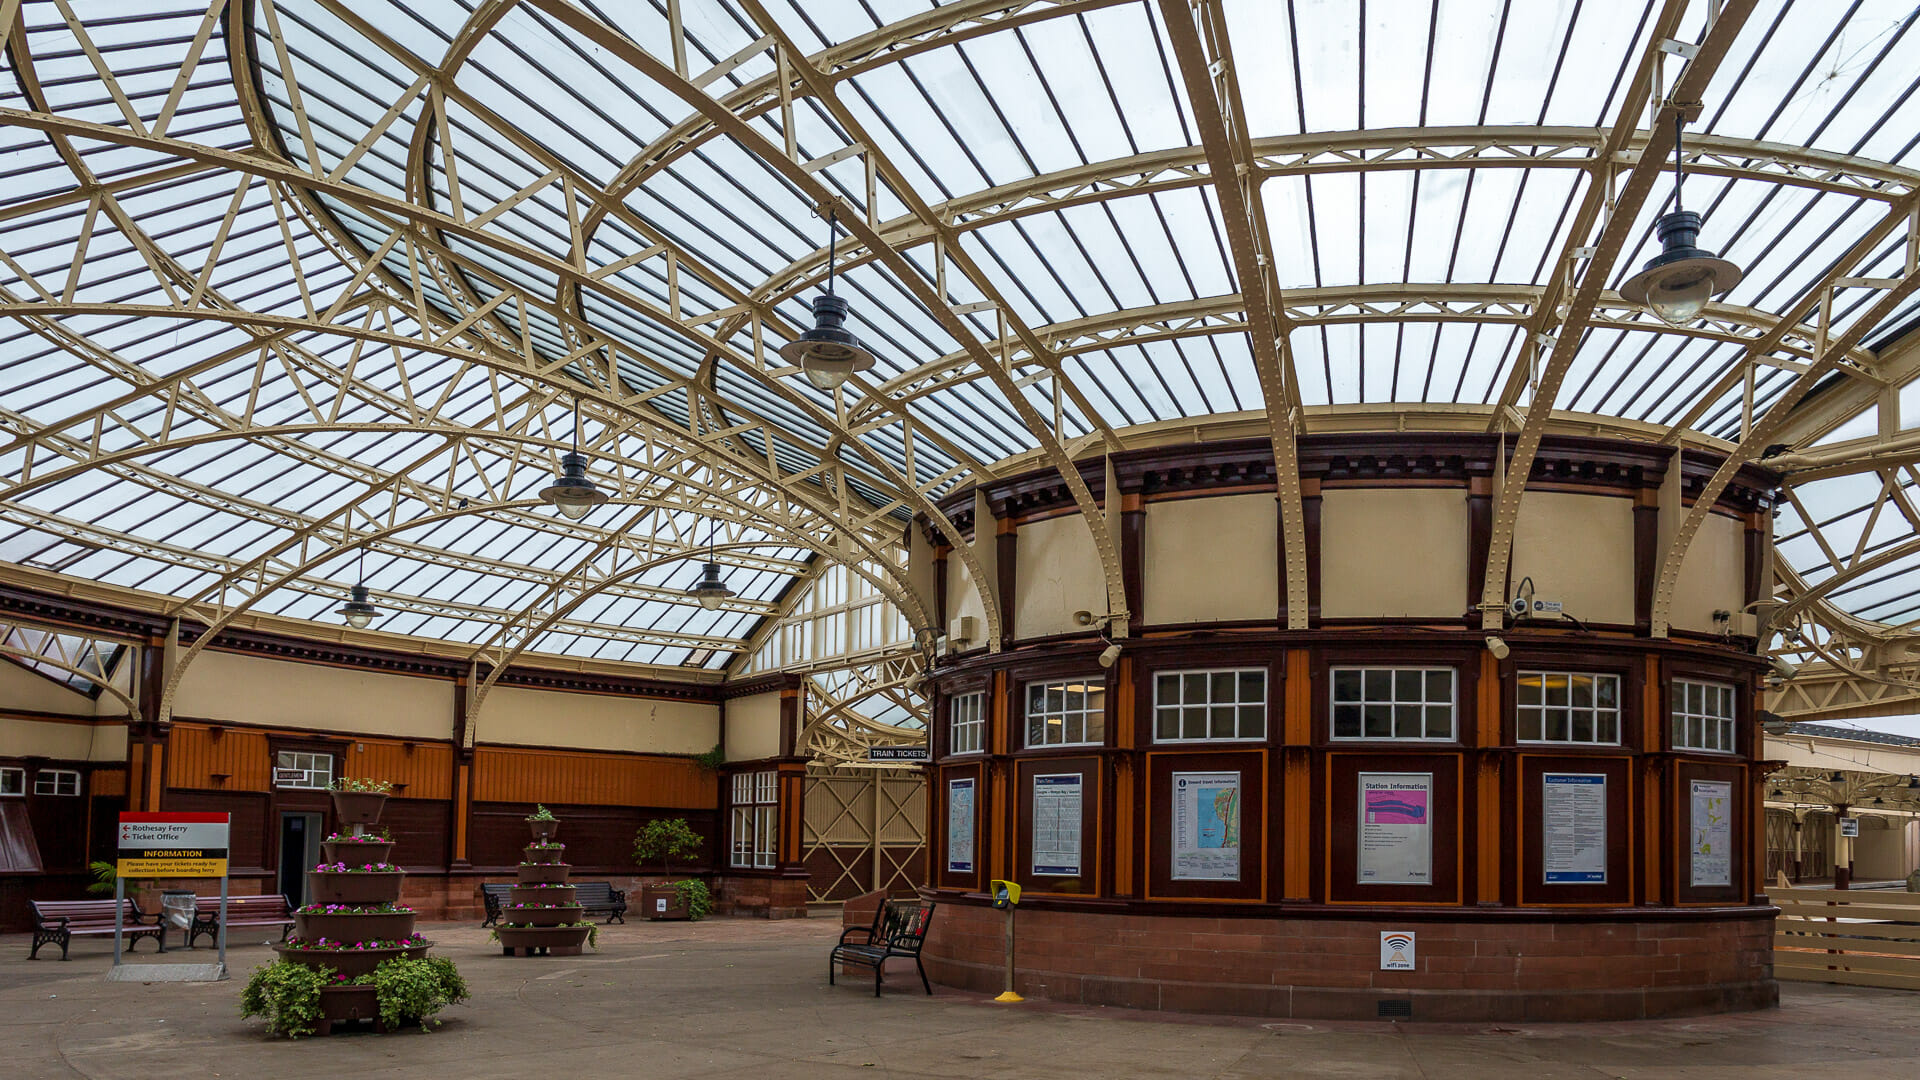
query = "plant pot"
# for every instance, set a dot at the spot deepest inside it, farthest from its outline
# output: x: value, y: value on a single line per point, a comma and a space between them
x: 544, y: 830
x: 339, y: 1004
x: 384, y: 925
x: 330, y: 887
x: 542, y: 916
x: 352, y: 963
x: 549, y: 873
x: 553, y: 940
x: 541, y: 894
x: 358, y: 807
x: 544, y: 854
x: 661, y: 902
x: 356, y: 853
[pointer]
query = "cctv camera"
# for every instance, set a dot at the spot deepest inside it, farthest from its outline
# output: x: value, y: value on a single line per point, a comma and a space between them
x: 1083, y: 617
x: 1497, y: 647
x: 1109, y: 655
x: 1518, y: 606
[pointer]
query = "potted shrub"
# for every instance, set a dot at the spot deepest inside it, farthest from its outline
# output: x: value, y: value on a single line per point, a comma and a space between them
x: 544, y: 825
x: 667, y: 839
x: 358, y: 800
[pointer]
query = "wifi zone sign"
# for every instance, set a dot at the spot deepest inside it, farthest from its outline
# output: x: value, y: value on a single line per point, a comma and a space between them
x: 1396, y: 950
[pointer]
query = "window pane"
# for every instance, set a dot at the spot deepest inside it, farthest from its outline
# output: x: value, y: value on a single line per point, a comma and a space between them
x: 1556, y: 689
x: 1253, y: 721
x: 1166, y: 689
x: 1582, y: 691
x: 1253, y: 686
x: 1582, y: 726
x: 1606, y: 691
x: 1222, y: 689
x: 1557, y: 724
x: 1346, y: 721
x: 1406, y: 685
x: 1222, y: 725
x: 1166, y: 724
x: 1346, y: 685
x: 1440, y: 686
x: 1076, y: 727
x: 1379, y: 685
x: 1406, y: 722
x: 1530, y: 725
x: 1193, y: 690
x: 1379, y: 721
x: 1607, y: 728
x: 1439, y: 722
x: 1529, y: 689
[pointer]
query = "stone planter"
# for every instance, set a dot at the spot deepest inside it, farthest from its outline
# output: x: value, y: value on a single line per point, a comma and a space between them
x: 542, y: 916
x: 358, y: 807
x: 541, y: 894
x: 552, y: 940
x: 544, y: 854
x: 539, y: 873
x: 661, y: 902
x: 341, y: 1004
x: 352, y: 963
x: 385, y: 926
x: 544, y: 830
x: 329, y: 887
x: 356, y: 853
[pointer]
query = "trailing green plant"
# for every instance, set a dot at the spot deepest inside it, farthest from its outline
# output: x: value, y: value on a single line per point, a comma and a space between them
x: 365, y: 784
x: 666, y: 839
x: 287, y: 995
x: 712, y: 759
x: 695, y: 897
x: 375, y: 834
x: 416, y: 989
x: 541, y: 813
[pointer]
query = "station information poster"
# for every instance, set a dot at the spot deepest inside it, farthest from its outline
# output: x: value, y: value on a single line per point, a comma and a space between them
x: 1712, y: 858
x: 960, y: 826
x: 1573, y: 828
x: 1396, y: 829
x: 1206, y: 826
x: 1056, y: 825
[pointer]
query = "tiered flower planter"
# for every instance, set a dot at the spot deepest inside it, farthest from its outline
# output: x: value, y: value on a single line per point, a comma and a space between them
x: 541, y: 914
x: 353, y: 921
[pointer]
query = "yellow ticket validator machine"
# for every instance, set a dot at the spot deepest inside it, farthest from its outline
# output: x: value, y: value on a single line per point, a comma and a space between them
x: 1006, y: 896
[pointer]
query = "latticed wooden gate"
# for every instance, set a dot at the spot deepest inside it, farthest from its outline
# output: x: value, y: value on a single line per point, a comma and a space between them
x: 865, y: 830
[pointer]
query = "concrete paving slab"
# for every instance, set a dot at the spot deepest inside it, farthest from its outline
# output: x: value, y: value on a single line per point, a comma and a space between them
x: 744, y: 998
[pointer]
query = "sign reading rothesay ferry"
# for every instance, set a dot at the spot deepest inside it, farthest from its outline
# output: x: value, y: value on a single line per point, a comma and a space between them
x: 173, y: 845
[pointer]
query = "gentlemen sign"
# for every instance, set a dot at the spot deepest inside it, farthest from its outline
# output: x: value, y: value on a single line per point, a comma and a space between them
x: 173, y: 845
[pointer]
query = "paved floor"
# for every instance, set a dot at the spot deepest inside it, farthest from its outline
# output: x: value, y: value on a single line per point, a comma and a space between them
x: 745, y: 998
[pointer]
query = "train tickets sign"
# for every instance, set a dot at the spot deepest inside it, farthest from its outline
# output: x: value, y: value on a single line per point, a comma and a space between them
x: 173, y: 845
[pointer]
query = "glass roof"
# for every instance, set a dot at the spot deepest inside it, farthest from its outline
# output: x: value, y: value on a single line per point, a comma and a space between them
x: 292, y: 285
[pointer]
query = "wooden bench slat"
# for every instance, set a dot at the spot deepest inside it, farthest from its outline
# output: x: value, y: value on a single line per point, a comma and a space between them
x: 60, y: 921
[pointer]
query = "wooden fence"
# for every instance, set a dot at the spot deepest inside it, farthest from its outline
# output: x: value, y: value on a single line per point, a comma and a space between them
x: 1860, y: 937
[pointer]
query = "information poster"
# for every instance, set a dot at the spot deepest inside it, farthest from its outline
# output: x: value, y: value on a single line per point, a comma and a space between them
x: 175, y: 845
x: 1712, y: 859
x: 1206, y: 826
x: 1573, y: 828
x: 960, y: 826
x: 1056, y: 825
x: 1396, y: 828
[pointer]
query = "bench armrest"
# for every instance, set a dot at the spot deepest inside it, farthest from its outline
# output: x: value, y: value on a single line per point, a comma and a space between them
x: 867, y: 931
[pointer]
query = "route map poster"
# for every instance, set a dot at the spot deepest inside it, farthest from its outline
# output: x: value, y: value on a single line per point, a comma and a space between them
x: 1206, y: 826
x: 1712, y: 861
x: 1573, y: 828
x: 1396, y: 829
x: 1056, y: 825
x: 960, y: 826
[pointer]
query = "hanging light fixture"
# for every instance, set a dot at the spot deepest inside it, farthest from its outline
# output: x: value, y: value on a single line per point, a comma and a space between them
x: 829, y: 352
x: 710, y: 590
x: 1677, y: 283
x: 358, y: 611
x: 573, y: 492
x: 1836, y: 778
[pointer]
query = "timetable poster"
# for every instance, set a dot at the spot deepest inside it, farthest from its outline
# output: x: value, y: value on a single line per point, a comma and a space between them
x: 1712, y: 861
x: 960, y: 826
x: 1573, y: 828
x: 1056, y: 825
x: 1206, y: 826
x: 1396, y: 828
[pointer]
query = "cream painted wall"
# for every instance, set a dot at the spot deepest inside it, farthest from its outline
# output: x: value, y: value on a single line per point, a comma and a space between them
x: 256, y: 690
x: 753, y: 727
x: 1577, y: 549
x: 1713, y: 577
x: 1886, y: 854
x: 1393, y: 553
x: 1058, y: 573
x: 23, y: 689
x: 106, y: 741
x: 963, y: 598
x: 1208, y: 560
x: 525, y: 717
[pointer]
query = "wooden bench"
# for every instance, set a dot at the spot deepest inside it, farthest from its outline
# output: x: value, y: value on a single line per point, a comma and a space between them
x: 63, y: 920
x: 597, y: 897
x: 241, y: 911
x: 899, y: 929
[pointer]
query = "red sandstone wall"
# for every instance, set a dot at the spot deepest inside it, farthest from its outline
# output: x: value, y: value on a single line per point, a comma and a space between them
x: 1538, y: 972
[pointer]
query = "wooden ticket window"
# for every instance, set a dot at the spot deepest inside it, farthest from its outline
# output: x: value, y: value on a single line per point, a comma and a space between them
x: 1193, y: 852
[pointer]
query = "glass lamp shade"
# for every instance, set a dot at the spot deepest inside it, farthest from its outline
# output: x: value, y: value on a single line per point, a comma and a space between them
x: 710, y: 590
x: 1677, y: 283
x: 828, y: 353
x: 357, y: 612
x: 573, y: 492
